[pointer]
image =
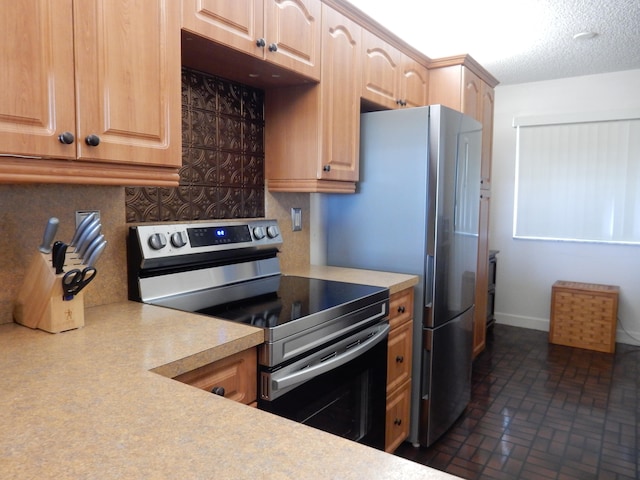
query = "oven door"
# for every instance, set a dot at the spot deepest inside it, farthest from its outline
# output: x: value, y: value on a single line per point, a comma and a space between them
x: 340, y: 389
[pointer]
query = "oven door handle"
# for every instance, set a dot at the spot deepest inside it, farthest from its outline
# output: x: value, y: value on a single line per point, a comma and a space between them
x: 332, y: 362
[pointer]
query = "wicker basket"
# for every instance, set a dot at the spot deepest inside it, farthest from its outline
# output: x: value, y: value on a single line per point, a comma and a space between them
x: 584, y: 315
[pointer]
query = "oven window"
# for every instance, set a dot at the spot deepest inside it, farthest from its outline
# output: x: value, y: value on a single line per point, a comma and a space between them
x: 348, y: 401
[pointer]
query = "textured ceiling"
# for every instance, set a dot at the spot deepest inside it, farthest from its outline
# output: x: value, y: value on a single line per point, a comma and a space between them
x: 519, y: 41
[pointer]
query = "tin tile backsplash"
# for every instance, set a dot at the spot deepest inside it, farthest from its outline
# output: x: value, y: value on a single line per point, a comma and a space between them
x: 222, y: 174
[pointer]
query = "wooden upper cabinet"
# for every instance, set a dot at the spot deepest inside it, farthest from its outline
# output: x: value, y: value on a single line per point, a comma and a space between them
x: 456, y: 86
x: 380, y: 71
x: 340, y: 97
x: 37, y: 101
x: 128, y: 81
x: 312, y: 132
x: 106, y: 72
x: 283, y: 32
x: 390, y: 78
x: 414, y: 83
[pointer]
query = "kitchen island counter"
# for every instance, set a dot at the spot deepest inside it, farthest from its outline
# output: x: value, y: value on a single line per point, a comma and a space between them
x: 97, y: 402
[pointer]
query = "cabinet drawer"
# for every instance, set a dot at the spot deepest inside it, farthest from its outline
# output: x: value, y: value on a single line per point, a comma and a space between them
x: 237, y: 374
x: 397, y: 418
x: 399, y: 350
x: 400, y: 307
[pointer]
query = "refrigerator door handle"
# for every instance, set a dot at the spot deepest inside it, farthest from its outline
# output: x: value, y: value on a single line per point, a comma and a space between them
x: 428, y: 281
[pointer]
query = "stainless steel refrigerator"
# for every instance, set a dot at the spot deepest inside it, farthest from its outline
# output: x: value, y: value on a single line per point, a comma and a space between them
x: 415, y: 211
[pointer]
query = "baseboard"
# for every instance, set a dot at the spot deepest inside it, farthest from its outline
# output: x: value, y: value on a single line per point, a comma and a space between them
x: 522, y: 321
x: 622, y: 335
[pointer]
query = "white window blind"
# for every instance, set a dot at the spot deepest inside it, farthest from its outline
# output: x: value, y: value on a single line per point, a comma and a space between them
x: 578, y: 181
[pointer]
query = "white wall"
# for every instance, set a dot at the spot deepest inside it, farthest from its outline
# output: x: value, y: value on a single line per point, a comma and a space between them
x: 526, y: 268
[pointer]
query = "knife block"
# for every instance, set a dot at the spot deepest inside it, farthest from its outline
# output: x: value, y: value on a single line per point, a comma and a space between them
x: 39, y: 303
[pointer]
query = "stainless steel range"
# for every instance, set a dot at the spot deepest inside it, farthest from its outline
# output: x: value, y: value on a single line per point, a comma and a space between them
x: 323, y: 362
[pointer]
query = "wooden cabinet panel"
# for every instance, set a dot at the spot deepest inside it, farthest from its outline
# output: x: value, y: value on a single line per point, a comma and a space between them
x: 128, y: 76
x: 37, y: 98
x: 482, y: 277
x: 399, y: 356
x: 104, y: 68
x: 399, y: 360
x: 488, y: 102
x: 235, y: 24
x: 380, y: 71
x: 313, y: 131
x: 390, y: 78
x: 285, y: 33
x: 398, y: 417
x: 414, y: 83
x: 400, y: 308
x: 237, y: 374
x: 294, y: 26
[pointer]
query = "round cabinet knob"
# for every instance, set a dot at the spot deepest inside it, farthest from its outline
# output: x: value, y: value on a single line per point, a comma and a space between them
x: 260, y: 42
x: 399, y: 359
x: 397, y: 421
x: 218, y: 391
x: 273, y: 47
x: 272, y: 231
x: 66, y: 137
x: 92, y: 140
x: 258, y: 232
x: 157, y: 241
x: 327, y: 168
x: 178, y: 239
x: 401, y: 309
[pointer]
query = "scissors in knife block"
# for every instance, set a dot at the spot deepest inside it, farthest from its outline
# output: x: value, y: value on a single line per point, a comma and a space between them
x: 75, y: 280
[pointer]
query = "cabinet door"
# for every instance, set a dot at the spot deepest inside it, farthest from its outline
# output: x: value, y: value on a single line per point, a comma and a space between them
x: 414, y: 83
x: 36, y: 78
x: 236, y: 374
x: 471, y: 94
x: 488, y: 102
x: 293, y: 27
x: 230, y: 22
x: 340, y: 97
x: 482, y: 277
x: 128, y: 81
x: 399, y: 356
x: 397, y: 418
x: 380, y: 71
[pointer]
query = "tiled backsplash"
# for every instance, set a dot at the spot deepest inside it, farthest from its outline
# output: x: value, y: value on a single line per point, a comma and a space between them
x: 222, y: 175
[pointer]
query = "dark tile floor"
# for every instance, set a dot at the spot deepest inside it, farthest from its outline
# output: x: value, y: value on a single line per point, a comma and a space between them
x: 541, y: 411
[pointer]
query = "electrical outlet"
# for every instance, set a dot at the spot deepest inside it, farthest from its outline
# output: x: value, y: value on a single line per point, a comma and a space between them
x: 80, y: 214
x: 296, y: 219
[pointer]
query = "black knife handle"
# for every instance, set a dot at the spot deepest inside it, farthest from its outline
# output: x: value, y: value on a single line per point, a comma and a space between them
x: 59, y: 256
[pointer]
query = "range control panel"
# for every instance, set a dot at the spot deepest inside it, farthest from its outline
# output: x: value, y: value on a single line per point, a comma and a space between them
x: 176, y: 239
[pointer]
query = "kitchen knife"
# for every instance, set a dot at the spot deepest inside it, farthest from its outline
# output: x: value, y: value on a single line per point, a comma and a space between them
x: 49, y: 232
x: 90, y: 236
x: 81, y: 227
x: 59, y: 256
x: 91, y: 261
x: 85, y: 231
x: 93, y: 245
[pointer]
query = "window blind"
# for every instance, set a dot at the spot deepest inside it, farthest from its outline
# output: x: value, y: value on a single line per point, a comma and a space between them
x: 578, y: 180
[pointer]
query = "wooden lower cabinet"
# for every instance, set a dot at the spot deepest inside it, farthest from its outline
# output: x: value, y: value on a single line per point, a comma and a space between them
x: 399, y: 354
x: 236, y: 374
x: 397, y: 420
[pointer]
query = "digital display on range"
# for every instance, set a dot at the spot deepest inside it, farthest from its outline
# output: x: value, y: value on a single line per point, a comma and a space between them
x: 206, y: 236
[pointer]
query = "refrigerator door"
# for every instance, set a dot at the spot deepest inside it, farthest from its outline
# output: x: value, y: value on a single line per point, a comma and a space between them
x: 452, y: 227
x: 446, y: 376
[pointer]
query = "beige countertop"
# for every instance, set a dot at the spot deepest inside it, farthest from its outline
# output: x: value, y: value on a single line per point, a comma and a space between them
x: 86, y: 404
x: 395, y: 282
